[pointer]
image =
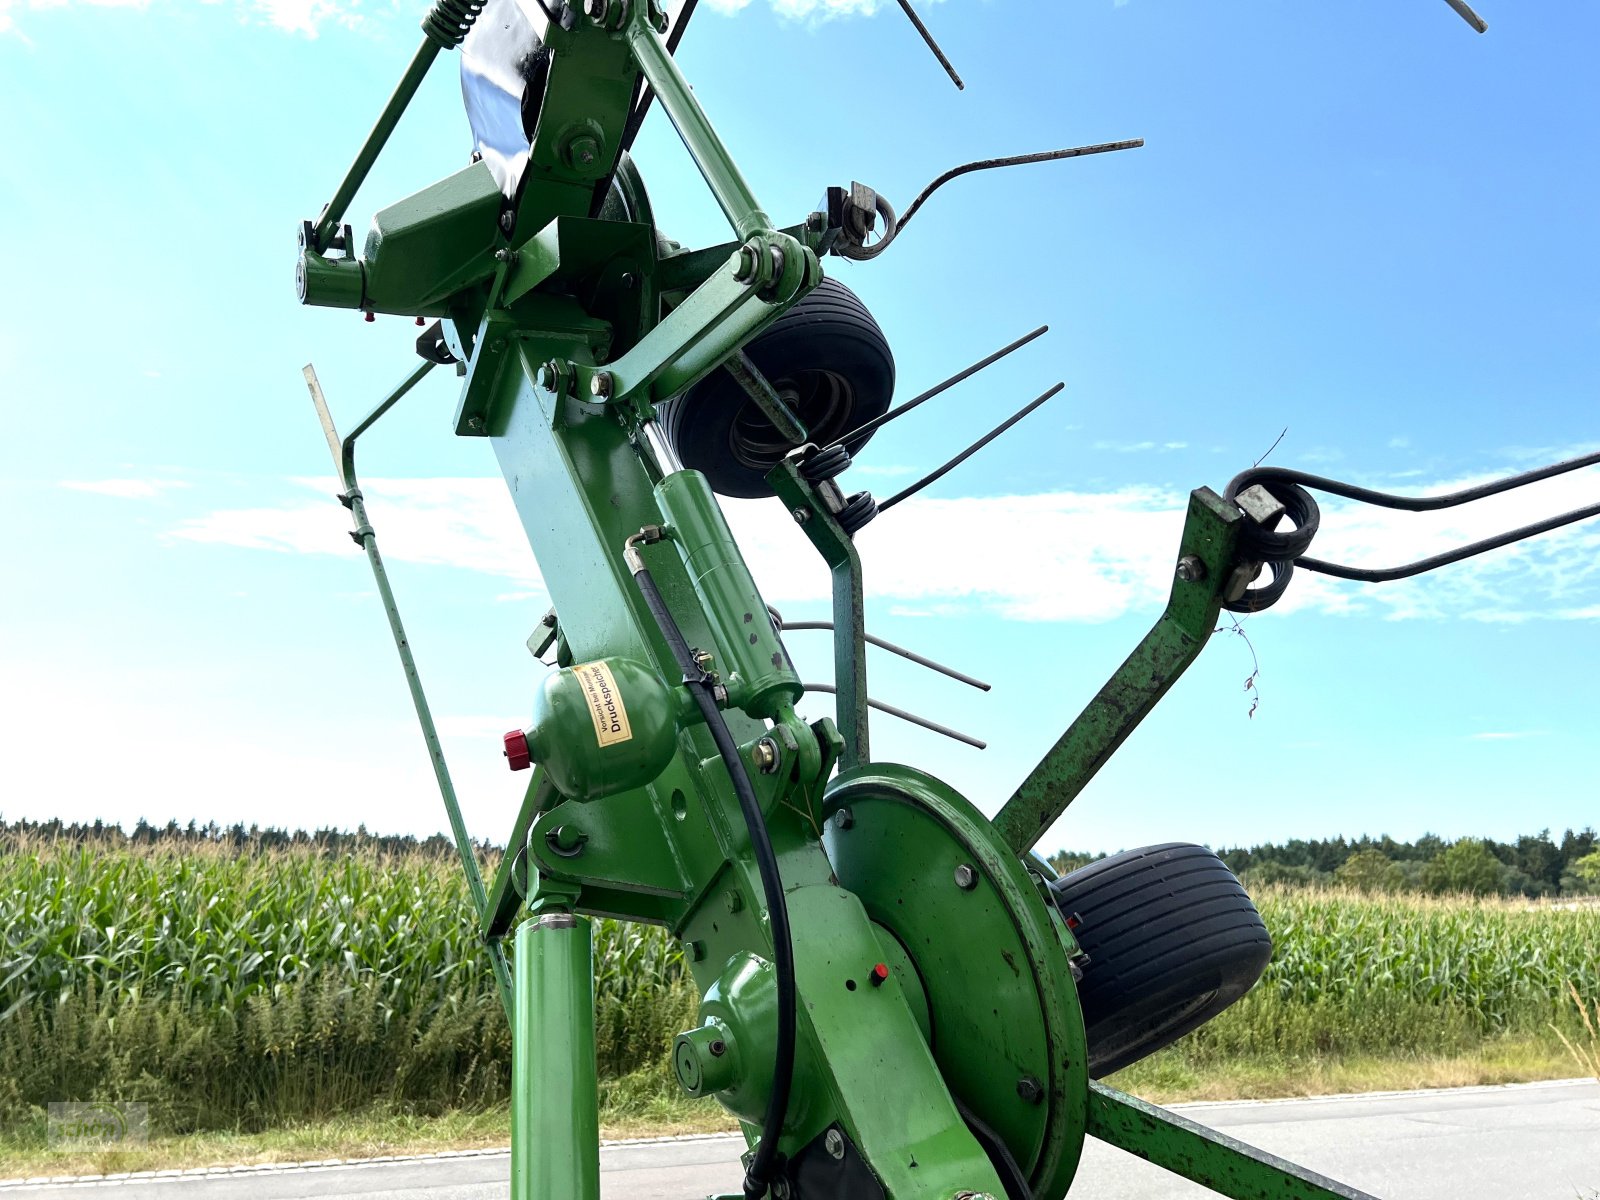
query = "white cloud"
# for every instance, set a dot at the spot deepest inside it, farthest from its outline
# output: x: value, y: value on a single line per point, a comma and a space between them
x: 124, y: 489
x: 1140, y: 447
x: 1507, y: 737
x: 1055, y: 556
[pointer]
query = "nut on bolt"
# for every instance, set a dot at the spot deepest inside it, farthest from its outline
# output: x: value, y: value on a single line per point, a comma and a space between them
x: 843, y: 819
x: 1029, y: 1089
x: 966, y: 877
x: 1191, y: 569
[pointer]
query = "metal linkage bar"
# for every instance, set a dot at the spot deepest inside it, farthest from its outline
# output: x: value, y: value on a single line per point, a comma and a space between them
x: 1212, y: 1159
x: 939, y: 473
x: 344, y: 461
x: 721, y: 173
x: 912, y: 717
x: 756, y: 385
x: 885, y: 644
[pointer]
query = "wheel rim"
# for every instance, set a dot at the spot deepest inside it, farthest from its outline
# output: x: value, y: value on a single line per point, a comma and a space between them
x: 822, y: 400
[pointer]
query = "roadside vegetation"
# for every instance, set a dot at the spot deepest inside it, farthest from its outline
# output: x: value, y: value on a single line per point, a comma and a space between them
x: 288, y: 997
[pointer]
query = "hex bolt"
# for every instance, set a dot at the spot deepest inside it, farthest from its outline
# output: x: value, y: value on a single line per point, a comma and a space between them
x: 696, y: 950
x: 733, y: 901
x: 549, y: 375
x: 596, y: 9
x: 582, y: 151
x: 476, y: 424
x: 966, y: 877
x: 1191, y: 569
x: 503, y: 255
x: 834, y: 1141
x: 1029, y: 1090
x: 766, y: 755
x: 600, y: 385
x: 843, y: 819
x: 801, y: 515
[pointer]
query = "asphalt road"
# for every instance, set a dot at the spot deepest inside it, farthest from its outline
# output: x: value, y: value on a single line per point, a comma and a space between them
x: 1527, y: 1142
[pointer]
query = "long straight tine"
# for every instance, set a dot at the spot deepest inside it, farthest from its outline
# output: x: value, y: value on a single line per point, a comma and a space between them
x: 1464, y: 10
x: 912, y: 655
x: 905, y: 6
x: 935, y: 475
x: 967, y: 373
x: 912, y: 717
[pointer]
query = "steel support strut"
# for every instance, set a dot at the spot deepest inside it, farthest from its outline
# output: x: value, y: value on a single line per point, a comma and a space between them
x: 1205, y: 571
x: 344, y: 462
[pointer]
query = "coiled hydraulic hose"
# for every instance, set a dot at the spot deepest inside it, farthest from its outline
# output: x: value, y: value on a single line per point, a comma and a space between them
x: 763, y: 1165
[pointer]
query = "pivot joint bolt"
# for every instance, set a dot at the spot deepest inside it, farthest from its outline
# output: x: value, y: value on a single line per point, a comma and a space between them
x: 834, y: 1141
x: 1191, y: 569
x: 600, y: 385
x: 966, y: 877
x: 745, y: 270
x: 765, y: 754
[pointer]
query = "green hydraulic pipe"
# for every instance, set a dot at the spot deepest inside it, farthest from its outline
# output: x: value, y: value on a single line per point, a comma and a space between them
x: 344, y: 458
x: 721, y: 173
x: 333, y: 211
x: 555, y: 1103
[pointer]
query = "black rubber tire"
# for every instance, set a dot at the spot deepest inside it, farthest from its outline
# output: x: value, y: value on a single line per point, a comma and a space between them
x: 829, y: 349
x: 1172, y: 940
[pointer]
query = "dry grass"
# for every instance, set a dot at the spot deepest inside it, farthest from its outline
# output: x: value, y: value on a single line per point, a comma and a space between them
x: 1585, y: 1048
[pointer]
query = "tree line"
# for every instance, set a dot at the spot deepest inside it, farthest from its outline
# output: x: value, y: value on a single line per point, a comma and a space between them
x: 1532, y: 865
x: 332, y: 843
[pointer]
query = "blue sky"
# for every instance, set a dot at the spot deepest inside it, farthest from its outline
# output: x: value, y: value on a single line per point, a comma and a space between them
x: 1361, y: 222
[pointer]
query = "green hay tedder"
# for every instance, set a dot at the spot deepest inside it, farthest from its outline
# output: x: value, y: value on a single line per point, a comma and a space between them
x: 899, y: 999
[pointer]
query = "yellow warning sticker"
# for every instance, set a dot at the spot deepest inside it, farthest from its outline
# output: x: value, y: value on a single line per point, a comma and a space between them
x: 606, y: 710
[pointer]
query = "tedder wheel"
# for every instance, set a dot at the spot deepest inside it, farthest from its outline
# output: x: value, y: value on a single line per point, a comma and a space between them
x: 1172, y: 940
x: 829, y: 361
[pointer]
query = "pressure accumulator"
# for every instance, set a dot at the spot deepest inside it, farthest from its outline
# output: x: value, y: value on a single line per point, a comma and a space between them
x: 599, y: 728
x: 749, y: 658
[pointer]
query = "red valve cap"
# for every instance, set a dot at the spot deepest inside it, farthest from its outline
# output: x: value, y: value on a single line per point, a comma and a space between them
x: 518, y: 757
x: 880, y: 972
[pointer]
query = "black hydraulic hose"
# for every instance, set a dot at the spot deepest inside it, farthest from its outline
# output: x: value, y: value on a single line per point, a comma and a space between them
x: 763, y: 1165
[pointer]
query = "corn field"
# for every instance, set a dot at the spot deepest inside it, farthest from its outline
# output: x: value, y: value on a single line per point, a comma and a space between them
x: 239, y: 990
